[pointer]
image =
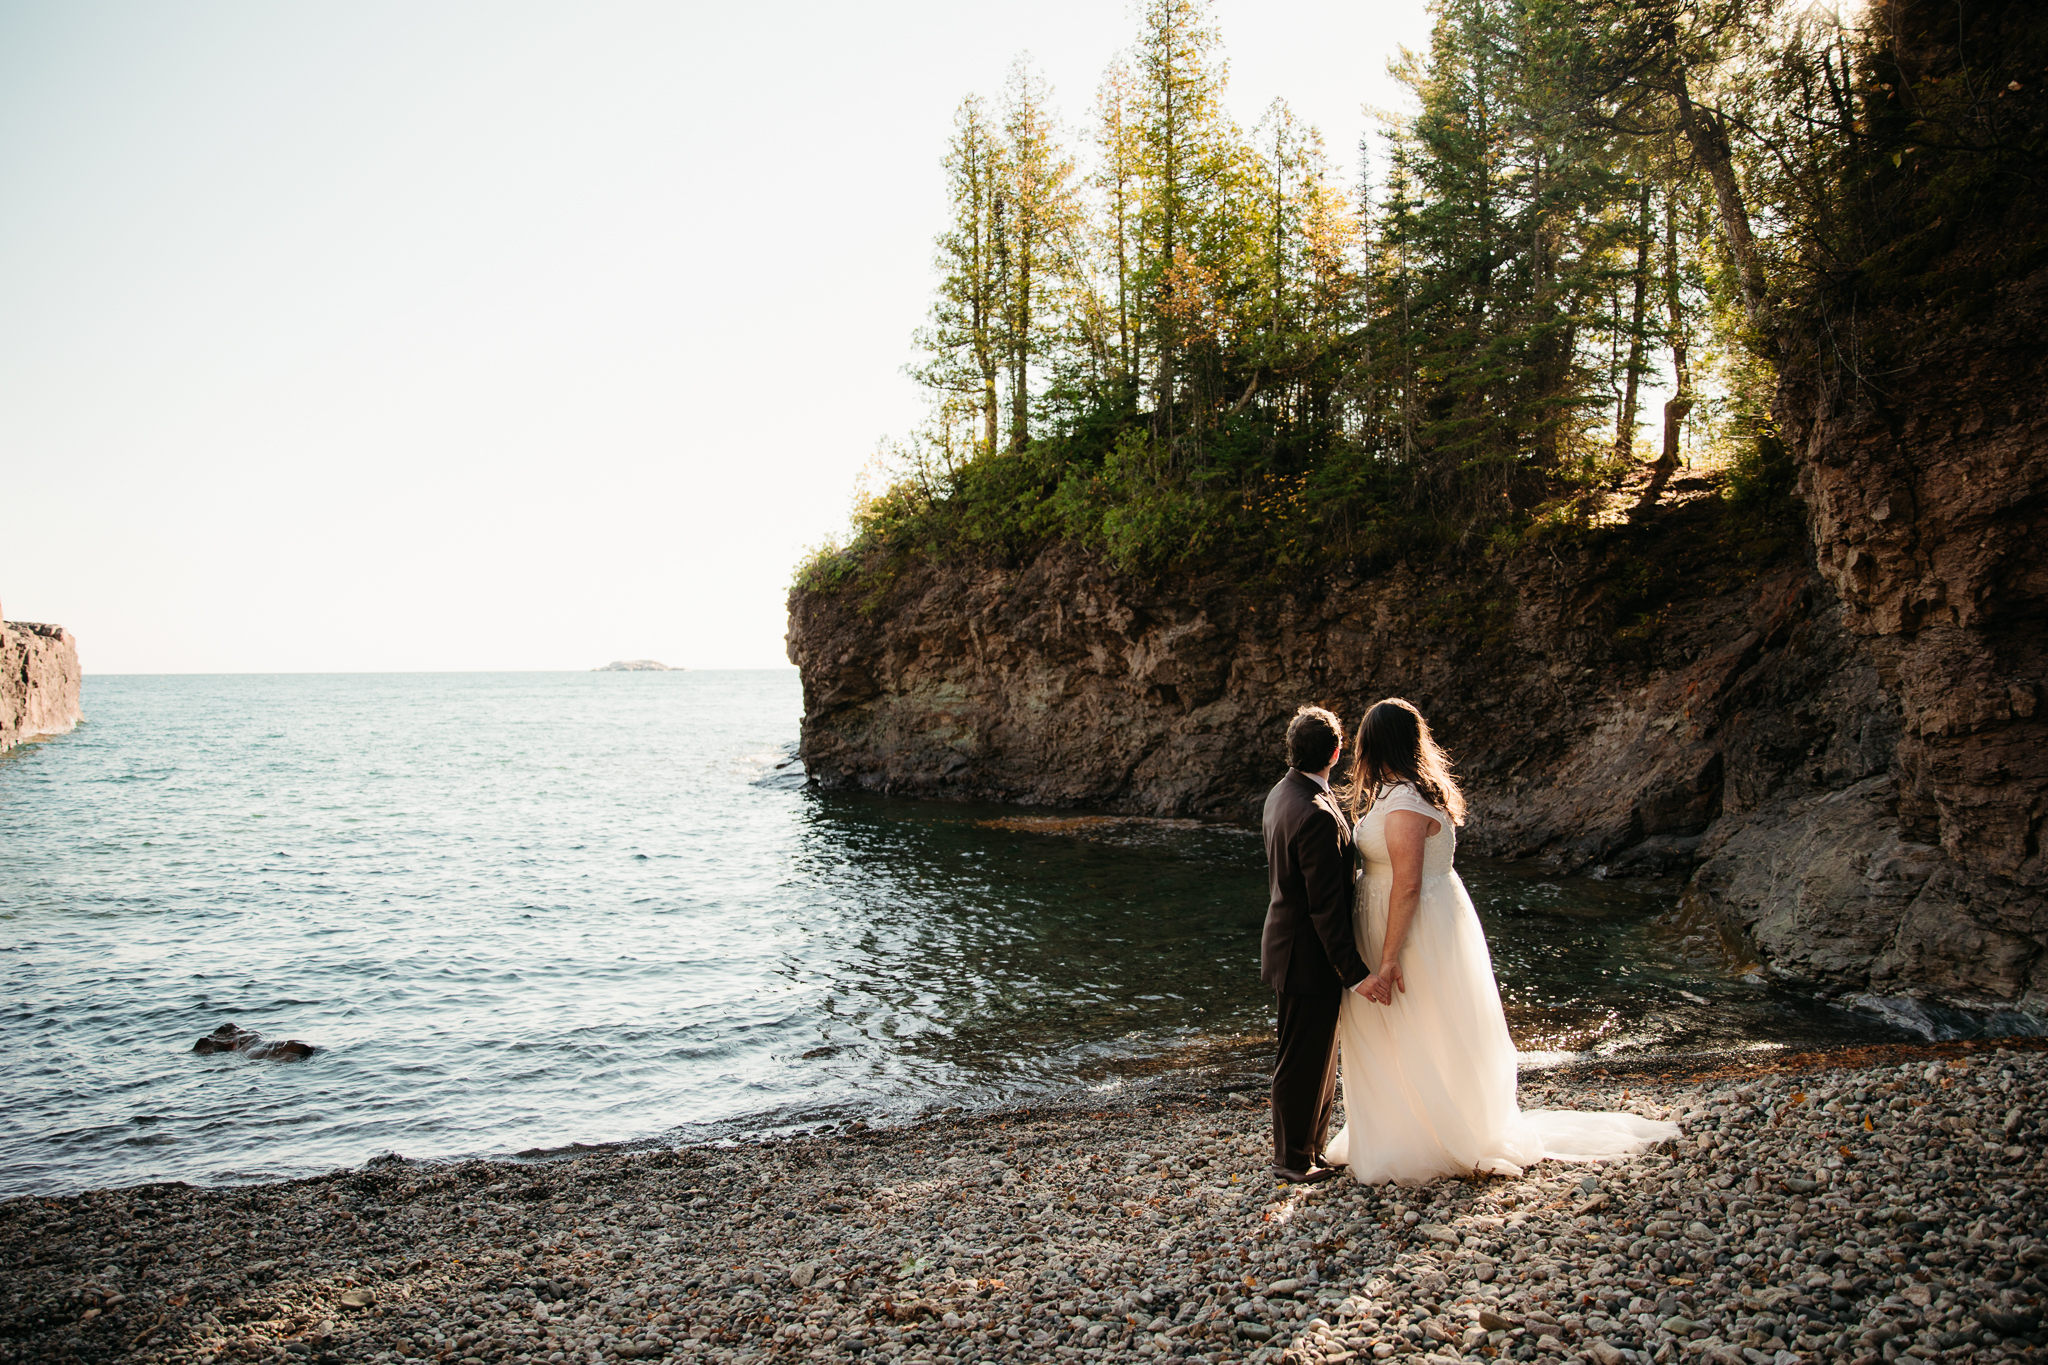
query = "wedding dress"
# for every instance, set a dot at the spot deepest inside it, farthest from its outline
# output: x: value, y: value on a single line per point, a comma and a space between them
x: 1429, y: 1081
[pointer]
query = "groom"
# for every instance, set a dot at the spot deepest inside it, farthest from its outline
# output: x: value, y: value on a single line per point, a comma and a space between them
x: 1308, y: 954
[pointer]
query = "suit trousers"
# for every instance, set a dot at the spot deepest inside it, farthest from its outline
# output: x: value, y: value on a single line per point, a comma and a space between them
x: 1305, y: 1076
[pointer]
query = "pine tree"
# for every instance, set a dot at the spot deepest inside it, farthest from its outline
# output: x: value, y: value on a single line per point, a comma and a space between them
x: 1201, y: 339
x: 1118, y: 185
x: 1632, y: 331
x: 965, y: 337
x: 1042, y: 240
x: 1184, y: 143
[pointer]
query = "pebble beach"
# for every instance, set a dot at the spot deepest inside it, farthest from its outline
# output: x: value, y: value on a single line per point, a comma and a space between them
x: 1854, y: 1206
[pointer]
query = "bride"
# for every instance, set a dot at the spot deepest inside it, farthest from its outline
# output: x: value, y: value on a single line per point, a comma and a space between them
x: 1428, y: 1067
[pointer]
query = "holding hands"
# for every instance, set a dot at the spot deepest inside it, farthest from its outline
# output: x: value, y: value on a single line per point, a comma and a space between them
x: 1381, y: 985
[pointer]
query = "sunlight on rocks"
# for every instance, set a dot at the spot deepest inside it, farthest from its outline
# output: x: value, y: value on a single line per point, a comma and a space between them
x: 1811, y: 1211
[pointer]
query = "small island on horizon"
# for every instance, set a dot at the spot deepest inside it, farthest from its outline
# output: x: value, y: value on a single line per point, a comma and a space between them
x: 636, y: 666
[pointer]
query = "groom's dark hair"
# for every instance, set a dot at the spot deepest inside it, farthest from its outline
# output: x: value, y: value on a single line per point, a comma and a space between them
x: 1312, y: 738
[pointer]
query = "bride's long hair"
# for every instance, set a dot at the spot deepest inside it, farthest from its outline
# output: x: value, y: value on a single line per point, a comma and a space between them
x: 1394, y: 745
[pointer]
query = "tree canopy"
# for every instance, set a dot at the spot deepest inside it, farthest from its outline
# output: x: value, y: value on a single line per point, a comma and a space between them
x: 1175, y: 339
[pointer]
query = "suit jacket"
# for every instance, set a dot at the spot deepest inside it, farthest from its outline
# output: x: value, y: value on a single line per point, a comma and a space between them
x: 1308, y: 943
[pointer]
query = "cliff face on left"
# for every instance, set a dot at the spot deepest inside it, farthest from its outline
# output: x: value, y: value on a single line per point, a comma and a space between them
x: 39, y: 681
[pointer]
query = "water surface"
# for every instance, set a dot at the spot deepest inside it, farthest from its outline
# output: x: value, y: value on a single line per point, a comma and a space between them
x: 517, y: 911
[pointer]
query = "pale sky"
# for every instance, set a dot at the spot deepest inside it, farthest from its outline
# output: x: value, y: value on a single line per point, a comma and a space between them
x: 431, y: 335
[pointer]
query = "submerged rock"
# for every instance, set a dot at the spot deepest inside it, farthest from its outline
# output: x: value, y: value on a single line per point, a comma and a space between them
x: 233, y: 1038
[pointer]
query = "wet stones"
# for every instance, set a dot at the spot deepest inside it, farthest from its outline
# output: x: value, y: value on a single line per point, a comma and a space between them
x: 1078, y: 1251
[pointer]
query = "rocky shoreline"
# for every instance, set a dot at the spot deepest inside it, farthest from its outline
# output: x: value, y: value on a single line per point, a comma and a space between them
x: 1853, y: 1206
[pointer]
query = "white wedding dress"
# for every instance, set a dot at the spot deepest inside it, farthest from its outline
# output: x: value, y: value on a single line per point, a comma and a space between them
x: 1429, y: 1081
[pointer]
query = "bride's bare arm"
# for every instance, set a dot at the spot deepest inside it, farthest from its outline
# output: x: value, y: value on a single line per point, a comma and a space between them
x: 1406, y: 831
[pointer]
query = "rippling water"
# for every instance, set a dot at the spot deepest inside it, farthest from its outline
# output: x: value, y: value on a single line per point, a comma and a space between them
x: 523, y: 910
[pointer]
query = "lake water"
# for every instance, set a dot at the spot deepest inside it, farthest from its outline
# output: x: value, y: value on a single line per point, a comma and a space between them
x: 520, y: 911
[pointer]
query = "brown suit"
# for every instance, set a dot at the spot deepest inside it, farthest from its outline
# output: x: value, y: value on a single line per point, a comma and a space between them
x: 1309, y: 956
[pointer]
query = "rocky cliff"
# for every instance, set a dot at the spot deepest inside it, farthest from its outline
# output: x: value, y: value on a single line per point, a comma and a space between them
x: 1912, y: 396
x: 1841, y: 744
x: 1836, y: 735
x: 1928, y: 508
x: 1720, y: 714
x: 39, y: 682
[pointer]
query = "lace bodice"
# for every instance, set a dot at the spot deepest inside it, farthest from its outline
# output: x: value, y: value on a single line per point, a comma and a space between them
x: 1370, y: 834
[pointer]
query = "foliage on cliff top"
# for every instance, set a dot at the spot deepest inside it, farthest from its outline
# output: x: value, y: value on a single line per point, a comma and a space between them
x: 1937, y: 195
x: 1194, y: 346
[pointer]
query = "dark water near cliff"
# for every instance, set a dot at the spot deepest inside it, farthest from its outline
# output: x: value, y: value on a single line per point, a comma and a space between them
x: 518, y: 911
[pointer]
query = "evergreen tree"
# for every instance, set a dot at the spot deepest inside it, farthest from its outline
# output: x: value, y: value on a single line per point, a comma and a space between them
x: 1202, y: 339
x: 1041, y: 247
x: 965, y: 339
x: 1184, y: 144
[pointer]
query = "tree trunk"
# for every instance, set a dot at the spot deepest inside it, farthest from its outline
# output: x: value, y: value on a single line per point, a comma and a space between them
x: 1123, y: 305
x: 1020, y: 349
x: 1625, y: 426
x: 1279, y: 210
x: 1163, y: 399
x: 987, y: 312
x: 1681, y: 375
x: 1708, y: 138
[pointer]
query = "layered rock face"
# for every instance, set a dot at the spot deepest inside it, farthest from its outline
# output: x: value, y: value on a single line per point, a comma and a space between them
x: 1929, y: 513
x: 1915, y: 411
x: 1058, y: 682
x: 39, y: 681
x: 1746, y: 735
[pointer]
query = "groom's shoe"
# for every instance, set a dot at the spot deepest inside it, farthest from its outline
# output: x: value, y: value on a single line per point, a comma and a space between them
x: 1314, y: 1175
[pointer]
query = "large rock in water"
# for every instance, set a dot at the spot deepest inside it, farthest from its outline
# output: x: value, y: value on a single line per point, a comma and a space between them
x: 234, y: 1038
x: 635, y: 666
x: 39, y: 682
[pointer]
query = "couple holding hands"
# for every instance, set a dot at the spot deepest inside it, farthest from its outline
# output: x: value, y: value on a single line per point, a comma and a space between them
x: 1378, y: 958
